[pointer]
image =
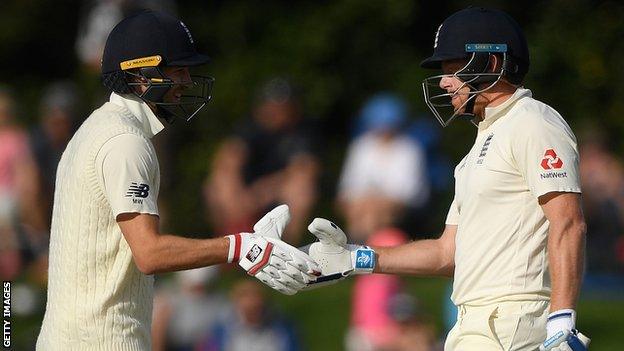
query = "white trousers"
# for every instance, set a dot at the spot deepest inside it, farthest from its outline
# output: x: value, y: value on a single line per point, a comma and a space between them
x: 509, y: 326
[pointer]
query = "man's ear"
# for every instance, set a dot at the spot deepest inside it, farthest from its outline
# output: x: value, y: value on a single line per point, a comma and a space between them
x: 494, y: 64
x: 134, y: 76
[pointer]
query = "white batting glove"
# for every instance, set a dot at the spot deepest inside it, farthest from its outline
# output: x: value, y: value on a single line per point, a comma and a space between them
x: 336, y: 258
x: 561, y: 333
x: 264, y: 255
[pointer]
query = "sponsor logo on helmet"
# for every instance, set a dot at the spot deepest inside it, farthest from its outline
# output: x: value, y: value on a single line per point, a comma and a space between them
x: 486, y: 47
x: 188, y: 32
x: 254, y: 253
x: 150, y: 61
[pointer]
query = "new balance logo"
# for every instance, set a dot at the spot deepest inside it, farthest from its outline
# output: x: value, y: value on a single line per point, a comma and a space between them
x: 138, y: 190
x: 254, y: 253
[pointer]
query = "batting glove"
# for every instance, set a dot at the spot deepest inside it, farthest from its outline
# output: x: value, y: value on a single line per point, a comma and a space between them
x: 264, y: 255
x: 561, y: 335
x: 336, y: 258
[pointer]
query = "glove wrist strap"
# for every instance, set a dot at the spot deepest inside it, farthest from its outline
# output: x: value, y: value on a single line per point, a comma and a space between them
x: 363, y: 260
x: 236, y: 242
x: 560, y: 320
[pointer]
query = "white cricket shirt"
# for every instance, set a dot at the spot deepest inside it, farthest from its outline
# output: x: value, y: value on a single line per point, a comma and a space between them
x: 524, y: 149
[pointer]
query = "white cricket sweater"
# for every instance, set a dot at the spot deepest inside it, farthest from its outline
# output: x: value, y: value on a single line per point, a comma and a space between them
x: 97, y: 297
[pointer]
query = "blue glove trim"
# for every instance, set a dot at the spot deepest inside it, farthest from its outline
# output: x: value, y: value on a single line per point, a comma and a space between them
x: 560, y: 315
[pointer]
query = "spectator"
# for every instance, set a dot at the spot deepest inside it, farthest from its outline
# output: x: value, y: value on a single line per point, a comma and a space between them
x: 602, y: 179
x: 101, y: 16
x: 384, y: 174
x: 270, y: 160
x: 251, y: 326
x: 415, y: 332
x: 48, y: 141
x: 94, y: 29
x: 372, y: 327
x: 20, y: 215
x: 182, y: 316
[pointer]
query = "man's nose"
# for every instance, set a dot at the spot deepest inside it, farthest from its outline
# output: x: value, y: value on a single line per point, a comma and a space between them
x: 446, y: 82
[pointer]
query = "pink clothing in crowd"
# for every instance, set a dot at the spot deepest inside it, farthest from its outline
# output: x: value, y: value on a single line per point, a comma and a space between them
x: 13, y: 148
x: 372, y: 294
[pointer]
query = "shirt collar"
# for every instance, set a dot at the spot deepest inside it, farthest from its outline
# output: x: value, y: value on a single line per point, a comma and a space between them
x: 150, y: 124
x: 494, y: 113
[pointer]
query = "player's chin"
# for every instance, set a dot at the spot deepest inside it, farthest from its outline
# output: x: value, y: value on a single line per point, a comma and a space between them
x: 458, y: 104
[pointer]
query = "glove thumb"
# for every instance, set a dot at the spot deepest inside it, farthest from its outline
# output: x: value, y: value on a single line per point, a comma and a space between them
x: 273, y: 223
x: 328, y: 233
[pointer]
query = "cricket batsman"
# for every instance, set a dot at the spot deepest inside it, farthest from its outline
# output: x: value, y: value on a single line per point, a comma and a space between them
x: 105, y: 243
x: 515, y: 233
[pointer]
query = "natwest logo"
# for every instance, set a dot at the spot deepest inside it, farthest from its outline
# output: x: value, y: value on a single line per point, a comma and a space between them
x: 551, y: 160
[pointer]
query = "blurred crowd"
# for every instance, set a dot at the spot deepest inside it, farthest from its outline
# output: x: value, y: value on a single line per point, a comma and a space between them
x: 393, y: 171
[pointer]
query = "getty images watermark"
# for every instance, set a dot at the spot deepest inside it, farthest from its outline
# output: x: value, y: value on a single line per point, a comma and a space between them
x: 6, y: 314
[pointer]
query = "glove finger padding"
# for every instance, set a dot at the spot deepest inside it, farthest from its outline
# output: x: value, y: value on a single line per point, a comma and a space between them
x: 272, y: 271
x: 266, y: 279
x: 285, y: 269
x: 275, y: 284
x: 283, y: 288
x: 262, y: 262
x: 288, y: 269
x: 296, y: 258
x: 290, y: 282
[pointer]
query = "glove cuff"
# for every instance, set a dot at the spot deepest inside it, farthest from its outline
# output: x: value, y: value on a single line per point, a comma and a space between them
x: 560, y: 320
x: 363, y: 259
x: 237, y: 243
